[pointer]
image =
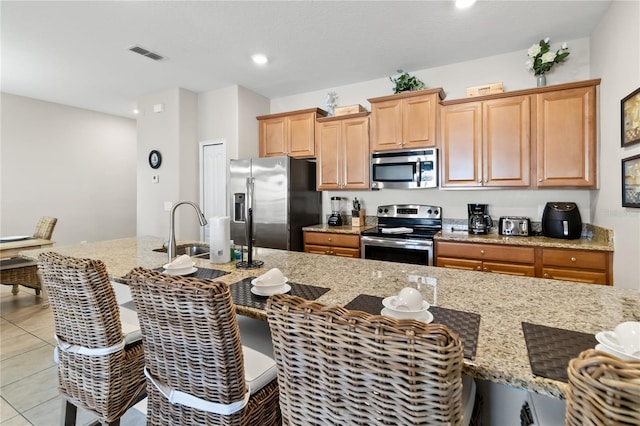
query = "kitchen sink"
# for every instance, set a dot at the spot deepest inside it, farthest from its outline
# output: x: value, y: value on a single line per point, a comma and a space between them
x: 194, y: 250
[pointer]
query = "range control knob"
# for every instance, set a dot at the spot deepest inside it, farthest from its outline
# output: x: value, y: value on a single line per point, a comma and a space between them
x: 386, y: 211
x: 380, y: 211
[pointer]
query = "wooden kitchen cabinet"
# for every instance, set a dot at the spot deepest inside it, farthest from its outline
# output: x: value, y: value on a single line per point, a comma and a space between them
x: 486, y: 143
x: 290, y: 133
x: 343, y: 152
x: 333, y: 244
x: 497, y: 258
x: 566, y: 137
x: 406, y: 120
x: 585, y: 266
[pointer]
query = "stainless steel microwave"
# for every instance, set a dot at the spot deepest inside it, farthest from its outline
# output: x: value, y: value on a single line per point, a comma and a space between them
x: 405, y: 169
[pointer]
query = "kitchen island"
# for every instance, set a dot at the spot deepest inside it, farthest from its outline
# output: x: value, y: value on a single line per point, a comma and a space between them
x: 503, y: 302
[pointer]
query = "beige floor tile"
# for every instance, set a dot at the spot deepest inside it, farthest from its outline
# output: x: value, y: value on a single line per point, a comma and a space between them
x: 33, y: 390
x: 9, y: 330
x: 6, y: 411
x: 37, y: 318
x: 19, y: 367
x: 19, y: 345
x: 19, y: 421
x: 47, y: 413
x: 45, y: 332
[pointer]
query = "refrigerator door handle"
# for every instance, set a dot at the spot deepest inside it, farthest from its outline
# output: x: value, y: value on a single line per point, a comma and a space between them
x: 248, y: 224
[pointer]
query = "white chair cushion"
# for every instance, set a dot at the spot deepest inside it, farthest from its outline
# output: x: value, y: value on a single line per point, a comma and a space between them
x: 468, y: 398
x: 259, y: 369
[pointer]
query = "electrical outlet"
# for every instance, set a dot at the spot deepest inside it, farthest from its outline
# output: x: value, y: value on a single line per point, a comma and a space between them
x: 155, y: 178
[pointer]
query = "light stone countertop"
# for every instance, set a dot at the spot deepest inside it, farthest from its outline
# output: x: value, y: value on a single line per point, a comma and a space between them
x: 344, y: 229
x: 502, y: 301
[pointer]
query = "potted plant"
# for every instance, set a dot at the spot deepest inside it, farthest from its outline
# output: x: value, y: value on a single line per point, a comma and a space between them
x: 406, y: 82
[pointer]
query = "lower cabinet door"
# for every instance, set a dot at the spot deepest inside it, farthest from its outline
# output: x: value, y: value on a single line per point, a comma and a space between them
x: 587, y: 277
x: 345, y: 252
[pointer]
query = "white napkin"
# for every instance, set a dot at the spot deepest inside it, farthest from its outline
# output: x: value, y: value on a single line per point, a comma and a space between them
x: 180, y: 262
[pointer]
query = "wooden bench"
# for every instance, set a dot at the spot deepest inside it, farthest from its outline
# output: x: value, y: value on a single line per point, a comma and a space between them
x: 19, y: 271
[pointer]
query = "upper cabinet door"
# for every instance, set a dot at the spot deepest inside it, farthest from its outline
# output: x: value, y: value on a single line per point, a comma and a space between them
x: 566, y: 138
x: 355, y: 149
x: 273, y: 137
x: 328, y: 168
x: 419, y: 122
x: 386, y: 125
x: 506, y: 142
x: 461, y: 145
x: 302, y: 141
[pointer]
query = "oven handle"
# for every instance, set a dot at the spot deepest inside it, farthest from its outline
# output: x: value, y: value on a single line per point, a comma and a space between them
x: 384, y: 242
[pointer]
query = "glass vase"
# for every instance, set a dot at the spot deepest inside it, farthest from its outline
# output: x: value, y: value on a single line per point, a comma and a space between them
x: 541, y: 81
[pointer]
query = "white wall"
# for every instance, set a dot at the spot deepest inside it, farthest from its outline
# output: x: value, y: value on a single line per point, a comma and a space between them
x: 615, y: 54
x: 173, y: 132
x: 250, y: 106
x: 217, y: 117
x: 70, y: 163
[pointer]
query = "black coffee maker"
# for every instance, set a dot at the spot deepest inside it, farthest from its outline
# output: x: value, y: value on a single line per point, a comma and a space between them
x: 479, y: 220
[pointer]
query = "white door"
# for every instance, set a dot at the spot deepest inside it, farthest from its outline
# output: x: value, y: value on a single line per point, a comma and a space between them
x: 213, y: 181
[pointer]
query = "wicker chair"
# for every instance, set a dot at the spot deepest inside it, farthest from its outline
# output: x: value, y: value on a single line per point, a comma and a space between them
x: 197, y: 368
x: 44, y: 228
x: 351, y: 368
x: 99, y: 369
x: 603, y: 390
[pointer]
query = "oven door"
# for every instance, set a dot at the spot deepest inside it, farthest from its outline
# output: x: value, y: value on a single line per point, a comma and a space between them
x: 415, y: 251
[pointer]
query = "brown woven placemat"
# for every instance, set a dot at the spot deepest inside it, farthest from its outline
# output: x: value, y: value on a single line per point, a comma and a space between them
x: 204, y: 273
x: 550, y: 349
x: 241, y: 293
x: 465, y: 324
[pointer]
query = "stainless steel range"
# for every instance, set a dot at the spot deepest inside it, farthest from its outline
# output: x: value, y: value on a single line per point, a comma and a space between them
x: 404, y: 234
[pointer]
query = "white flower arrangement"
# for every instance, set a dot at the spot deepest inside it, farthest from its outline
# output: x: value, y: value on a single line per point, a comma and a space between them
x: 541, y: 59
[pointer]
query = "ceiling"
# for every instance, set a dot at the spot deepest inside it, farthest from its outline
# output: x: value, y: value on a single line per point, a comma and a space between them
x: 76, y: 52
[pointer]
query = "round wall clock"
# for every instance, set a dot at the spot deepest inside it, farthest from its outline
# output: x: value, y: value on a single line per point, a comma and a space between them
x: 155, y: 159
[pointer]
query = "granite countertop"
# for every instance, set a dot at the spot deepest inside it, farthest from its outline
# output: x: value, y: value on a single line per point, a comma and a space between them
x: 601, y: 239
x: 502, y: 301
x: 344, y: 229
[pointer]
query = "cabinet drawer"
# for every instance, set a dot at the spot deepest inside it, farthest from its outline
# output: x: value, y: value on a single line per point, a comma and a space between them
x: 509, y: 269
x: 582, y: 259
x: 486, y: 252
x: 467, y: 265
x: 334, y: 240
x: 317, y: 249
x: 587, y: 277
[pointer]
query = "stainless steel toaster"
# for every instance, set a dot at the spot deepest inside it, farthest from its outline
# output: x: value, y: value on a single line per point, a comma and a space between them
x: 514, y: 225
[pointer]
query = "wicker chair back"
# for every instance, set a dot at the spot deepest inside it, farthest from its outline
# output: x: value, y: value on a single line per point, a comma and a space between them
x: 603, y: 390
x: 86, y: 314
x: 45, y: 227
x: 337, y: 366
x: 192, y: 344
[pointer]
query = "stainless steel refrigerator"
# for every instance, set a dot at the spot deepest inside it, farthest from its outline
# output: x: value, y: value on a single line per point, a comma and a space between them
x: 280, y: 194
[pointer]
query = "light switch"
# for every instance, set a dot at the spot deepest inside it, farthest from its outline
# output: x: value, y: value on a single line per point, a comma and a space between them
x: 155, y: 178
x: 167, y: 206
x: 158, y: 108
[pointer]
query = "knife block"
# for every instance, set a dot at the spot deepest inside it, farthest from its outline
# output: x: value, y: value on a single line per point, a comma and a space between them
x: 357, y: 218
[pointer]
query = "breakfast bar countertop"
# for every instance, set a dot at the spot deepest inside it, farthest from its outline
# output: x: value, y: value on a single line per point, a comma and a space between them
x: 503, y: 302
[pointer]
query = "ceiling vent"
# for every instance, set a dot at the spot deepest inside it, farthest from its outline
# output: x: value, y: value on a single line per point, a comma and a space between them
x: 144, y: 52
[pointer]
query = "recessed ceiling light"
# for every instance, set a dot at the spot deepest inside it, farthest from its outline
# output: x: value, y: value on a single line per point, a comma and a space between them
x: 463, y: 4
x: 135, y: 111
x: 259, y: 59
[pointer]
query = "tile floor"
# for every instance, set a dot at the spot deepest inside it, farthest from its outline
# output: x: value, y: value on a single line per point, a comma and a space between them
x: 28, y: 376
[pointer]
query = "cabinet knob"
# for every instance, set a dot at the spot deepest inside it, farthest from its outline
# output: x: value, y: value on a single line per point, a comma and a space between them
x: 329, y: 238
x: 485, y: 269
x: 479, y: 180
x: 485, y: 181
x: 479, y: 268
x: 573, y: 259
x: 481, y: 251
x: 545, y: 275
x: 539, y: 180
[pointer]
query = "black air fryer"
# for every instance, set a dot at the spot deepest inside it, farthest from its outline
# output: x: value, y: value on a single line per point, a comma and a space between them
x: 561, y: 220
